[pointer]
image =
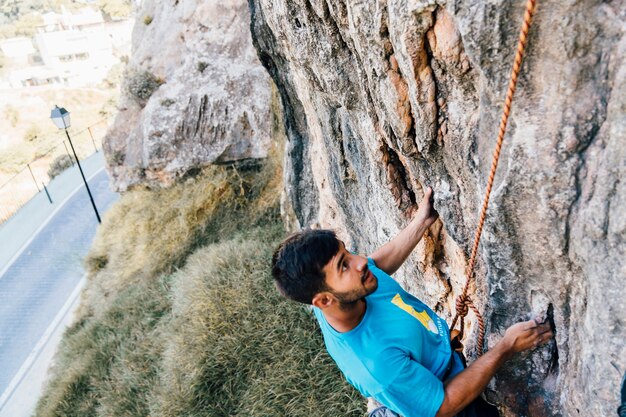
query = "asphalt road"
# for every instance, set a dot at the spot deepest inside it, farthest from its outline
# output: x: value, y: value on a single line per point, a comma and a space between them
x: 38, y: 283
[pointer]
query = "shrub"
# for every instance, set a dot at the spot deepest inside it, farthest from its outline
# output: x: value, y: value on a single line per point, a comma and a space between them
x: 109, y: 108
x: 96, y: 263
x: 24, y: 25
x: 142, y: 85
x: 117, y: 158
x: 202, y: 66
x: 32, y: 133
x: 59, y: 164
x: 12, y: 114
x: 147, y: 20
x: 116, y: 9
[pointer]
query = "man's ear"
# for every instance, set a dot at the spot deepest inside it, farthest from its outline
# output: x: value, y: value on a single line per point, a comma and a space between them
x: 323, y: 300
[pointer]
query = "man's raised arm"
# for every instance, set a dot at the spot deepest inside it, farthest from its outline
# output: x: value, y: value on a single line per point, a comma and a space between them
x: 392, y: 255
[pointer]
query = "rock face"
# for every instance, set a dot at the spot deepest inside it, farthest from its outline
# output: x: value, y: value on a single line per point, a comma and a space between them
x: 383, y: 98
x: 194, y: 94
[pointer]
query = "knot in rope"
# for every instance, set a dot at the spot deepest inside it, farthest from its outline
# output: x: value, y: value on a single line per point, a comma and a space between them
x: 462, y: 305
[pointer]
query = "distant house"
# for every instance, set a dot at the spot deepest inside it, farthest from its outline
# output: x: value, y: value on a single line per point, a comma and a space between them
x: 19, y: 52
x: 80, y: 57
x: 85, y: 18
x: 74, y: 49
x: 23, y: 64
x: 33, y: 76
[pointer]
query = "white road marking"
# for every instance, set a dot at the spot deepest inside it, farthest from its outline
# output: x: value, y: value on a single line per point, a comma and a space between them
x: 28, y: 363
x: 44, y: 224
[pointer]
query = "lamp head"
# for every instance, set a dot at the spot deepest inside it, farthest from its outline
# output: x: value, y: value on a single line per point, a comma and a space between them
x: 60, y: 117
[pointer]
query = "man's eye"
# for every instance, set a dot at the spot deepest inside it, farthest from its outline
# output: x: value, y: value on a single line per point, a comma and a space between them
x: 343, y: 267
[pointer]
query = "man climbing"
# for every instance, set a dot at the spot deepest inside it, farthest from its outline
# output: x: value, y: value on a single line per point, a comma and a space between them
x: 388, y: 344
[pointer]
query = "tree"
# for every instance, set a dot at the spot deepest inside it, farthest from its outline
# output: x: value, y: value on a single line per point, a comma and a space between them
x: 26, y: 25
x: 116, y: 9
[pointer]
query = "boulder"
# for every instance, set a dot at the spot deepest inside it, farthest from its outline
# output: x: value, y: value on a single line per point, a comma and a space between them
x: 194, y: 94
x: 384, y: 98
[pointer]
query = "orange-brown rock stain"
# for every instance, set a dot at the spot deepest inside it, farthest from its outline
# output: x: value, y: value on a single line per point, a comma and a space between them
x: 403, y: 105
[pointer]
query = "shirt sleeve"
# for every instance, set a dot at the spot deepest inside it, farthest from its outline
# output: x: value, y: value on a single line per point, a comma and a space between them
x: 414, y: 392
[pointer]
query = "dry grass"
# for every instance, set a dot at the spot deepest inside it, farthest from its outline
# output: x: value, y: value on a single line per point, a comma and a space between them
x: 29, y: 108
x: 181, y: 318
x: 150, y: 232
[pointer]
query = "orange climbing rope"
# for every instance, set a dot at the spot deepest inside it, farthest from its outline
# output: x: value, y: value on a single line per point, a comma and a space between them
x: 464, y: 302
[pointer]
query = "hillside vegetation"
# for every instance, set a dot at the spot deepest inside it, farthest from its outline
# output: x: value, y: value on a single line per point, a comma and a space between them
x: 180, y: 316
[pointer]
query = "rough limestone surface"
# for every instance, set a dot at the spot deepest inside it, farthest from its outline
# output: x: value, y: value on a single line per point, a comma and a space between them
x: 200, y: 96
x: 382, y: 98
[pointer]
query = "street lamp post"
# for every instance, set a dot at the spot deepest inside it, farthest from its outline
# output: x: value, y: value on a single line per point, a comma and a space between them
x: 61, y: 119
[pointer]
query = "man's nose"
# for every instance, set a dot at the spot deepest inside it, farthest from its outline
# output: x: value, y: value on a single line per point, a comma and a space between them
x: 360, y: 266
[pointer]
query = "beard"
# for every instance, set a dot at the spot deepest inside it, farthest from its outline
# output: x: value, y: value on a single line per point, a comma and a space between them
x: 347, y: 299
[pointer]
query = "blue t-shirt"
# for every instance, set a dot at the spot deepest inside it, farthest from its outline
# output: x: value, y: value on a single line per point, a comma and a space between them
x: 398, y: 353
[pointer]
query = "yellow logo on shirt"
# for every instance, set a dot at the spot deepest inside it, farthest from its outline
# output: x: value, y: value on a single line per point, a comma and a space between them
x: 422, y: 316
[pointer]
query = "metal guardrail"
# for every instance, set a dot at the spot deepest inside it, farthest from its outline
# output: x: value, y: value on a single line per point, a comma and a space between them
x: 33, y: 177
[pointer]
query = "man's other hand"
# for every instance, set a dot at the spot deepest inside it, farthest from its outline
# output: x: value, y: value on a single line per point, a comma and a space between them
x: 526, y: 335
x: 463, y: 388
x: 426, y: 213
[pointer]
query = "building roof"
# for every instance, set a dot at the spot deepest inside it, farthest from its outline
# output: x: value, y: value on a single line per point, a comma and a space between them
x: 17, y: 47
x: 84, y: 17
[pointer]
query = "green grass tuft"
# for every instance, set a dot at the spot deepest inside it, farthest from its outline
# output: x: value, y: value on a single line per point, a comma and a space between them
x: 240, y: 348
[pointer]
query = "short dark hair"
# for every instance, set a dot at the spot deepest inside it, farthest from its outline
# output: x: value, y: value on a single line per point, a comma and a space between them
x: 297, y: 264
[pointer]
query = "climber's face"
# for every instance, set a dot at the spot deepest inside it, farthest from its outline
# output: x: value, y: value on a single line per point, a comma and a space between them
x: 348, y: 278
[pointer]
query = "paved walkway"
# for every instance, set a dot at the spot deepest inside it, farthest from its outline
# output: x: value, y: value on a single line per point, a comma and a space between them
x: 40, y: 281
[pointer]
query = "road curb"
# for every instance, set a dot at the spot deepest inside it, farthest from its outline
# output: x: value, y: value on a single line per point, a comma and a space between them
x: 34, y: 354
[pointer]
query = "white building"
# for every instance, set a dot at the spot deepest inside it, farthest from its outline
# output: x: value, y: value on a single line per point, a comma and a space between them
x: 83, y: 19
x: 73, y: 49
x: 33, y: 76
x: 23, y: 64
x: 19, y: 51
x: 80, y: 57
